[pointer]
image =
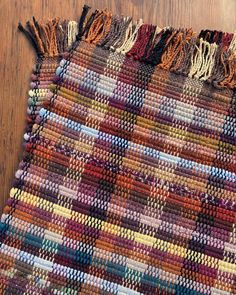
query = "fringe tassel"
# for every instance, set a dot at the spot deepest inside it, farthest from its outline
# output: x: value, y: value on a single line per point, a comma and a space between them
x: 48, y: 39
x: 217, y: 75
x: 229, y: 64
x: 62, y: 36
x: 188, y: 51
x: 55, y: 36
x: 232, y: 45
x: 116, y: 34
x: 226, y: 39
x: 159, y: 47
x: 99, y: 27
x: 209, y: 57
x: 120, y: 36
x: 30, y: 38
x: 131, y: 35
x: 151, y: 43
x: 139, y: 47
x: 108, y: 39
x: 72, y: 32
x: 83, y: 23
x: 173, y: 56
x: 203, y: 60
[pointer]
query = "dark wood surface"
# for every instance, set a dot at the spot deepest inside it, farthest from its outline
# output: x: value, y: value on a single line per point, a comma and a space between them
x: 17, y: 56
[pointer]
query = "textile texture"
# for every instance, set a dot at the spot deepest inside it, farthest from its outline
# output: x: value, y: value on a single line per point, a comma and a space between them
x: 127, y: 184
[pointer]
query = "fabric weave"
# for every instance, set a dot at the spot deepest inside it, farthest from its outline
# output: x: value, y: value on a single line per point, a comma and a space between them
x: 128, y: 181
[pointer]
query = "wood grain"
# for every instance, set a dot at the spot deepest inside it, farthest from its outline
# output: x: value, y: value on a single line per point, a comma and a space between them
x: 17, y: 56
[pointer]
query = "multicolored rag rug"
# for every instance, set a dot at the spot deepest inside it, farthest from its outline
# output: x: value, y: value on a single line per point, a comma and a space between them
x: 128, y: 180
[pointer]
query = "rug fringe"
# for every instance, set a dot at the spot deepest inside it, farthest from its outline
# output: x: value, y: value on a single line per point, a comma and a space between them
x: 99, y: 27
x: 55, y: 36
x: 203, y: 60
x: 48, y: 39
x: 210, y: 56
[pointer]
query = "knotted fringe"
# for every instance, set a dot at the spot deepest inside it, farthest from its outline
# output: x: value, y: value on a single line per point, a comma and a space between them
x: 209, y: 56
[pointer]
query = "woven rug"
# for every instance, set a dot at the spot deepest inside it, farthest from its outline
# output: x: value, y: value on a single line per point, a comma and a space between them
x: 128, y: 179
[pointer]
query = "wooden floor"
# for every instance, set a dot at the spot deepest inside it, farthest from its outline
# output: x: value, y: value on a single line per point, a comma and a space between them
x: 17, y: 57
